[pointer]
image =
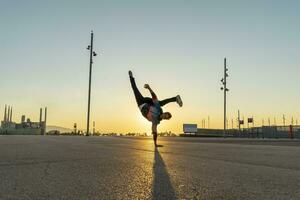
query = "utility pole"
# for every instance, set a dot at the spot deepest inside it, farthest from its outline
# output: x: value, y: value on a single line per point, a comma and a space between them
x: 239, y: 120
x: 225, y: 89
x: 75, y: 128
x: 92, y: 53
x: 283, y: 118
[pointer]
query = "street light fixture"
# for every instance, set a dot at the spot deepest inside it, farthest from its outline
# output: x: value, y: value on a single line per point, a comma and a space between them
x: 92, y: 53
x: 225, y: 89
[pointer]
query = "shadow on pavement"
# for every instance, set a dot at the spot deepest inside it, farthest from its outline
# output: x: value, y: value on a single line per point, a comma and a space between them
x: 161, y: 187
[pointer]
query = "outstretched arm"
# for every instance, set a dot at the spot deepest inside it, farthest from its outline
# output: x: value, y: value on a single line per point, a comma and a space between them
x: 154, y: 97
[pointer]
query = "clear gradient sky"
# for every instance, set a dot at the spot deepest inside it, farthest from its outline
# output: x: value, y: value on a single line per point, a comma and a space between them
x: 177, y: 47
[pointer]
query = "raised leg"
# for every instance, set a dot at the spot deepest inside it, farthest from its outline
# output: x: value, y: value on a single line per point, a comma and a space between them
x: 166, y: 101
x: 138, y: 96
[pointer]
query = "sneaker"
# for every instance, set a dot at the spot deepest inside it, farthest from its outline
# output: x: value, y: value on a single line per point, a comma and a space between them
x: 179, y: 101
x: 130, y: 73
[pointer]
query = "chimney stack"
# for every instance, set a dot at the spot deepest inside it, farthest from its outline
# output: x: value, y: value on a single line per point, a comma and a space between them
x: 4, y: 120
x: 45, y: 114
x: 45, y: 121
x: 41, y: 112
x: 10, y: 117
x: 8, y: 113
x: 23, y: 119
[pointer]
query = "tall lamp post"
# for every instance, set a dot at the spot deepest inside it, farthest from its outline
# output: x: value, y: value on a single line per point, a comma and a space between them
x: 92, y: 53
x: 225, y: 89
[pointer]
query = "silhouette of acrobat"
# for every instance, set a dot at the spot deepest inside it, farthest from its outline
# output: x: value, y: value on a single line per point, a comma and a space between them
x: 151, y: 107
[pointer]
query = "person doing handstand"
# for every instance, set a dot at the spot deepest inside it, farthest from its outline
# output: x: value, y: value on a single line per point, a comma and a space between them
x: 151, y: 108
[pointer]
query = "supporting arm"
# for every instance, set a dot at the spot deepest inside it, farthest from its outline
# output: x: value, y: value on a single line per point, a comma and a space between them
x: 154, y: 133
x: 154, y: 128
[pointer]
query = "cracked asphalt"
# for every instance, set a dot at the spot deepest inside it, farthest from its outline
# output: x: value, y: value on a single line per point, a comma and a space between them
x: 74, y: 167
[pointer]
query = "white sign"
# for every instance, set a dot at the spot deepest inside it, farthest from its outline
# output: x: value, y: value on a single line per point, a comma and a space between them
x: 190, y: 128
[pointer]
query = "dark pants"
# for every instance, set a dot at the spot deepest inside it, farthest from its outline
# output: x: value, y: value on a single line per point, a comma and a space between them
x: 141, y: 100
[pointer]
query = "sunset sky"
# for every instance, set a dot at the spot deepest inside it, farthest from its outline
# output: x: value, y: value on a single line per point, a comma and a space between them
x: 177, y: 47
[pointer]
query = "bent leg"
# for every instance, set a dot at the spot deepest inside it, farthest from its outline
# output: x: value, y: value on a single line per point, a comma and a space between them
x: 138, y: 96
x: 166, y: 101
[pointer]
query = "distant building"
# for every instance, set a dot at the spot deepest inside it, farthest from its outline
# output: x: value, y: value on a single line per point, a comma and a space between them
x: 291, y: 131
x: 190, y: 128
x: 25, y: 127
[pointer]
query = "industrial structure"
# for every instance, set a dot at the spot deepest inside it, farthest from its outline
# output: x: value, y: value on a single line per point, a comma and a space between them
x: 287, y: 131
x: 25, y: 127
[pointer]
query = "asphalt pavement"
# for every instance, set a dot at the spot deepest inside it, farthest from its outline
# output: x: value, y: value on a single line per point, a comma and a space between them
x: 77, y: 167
